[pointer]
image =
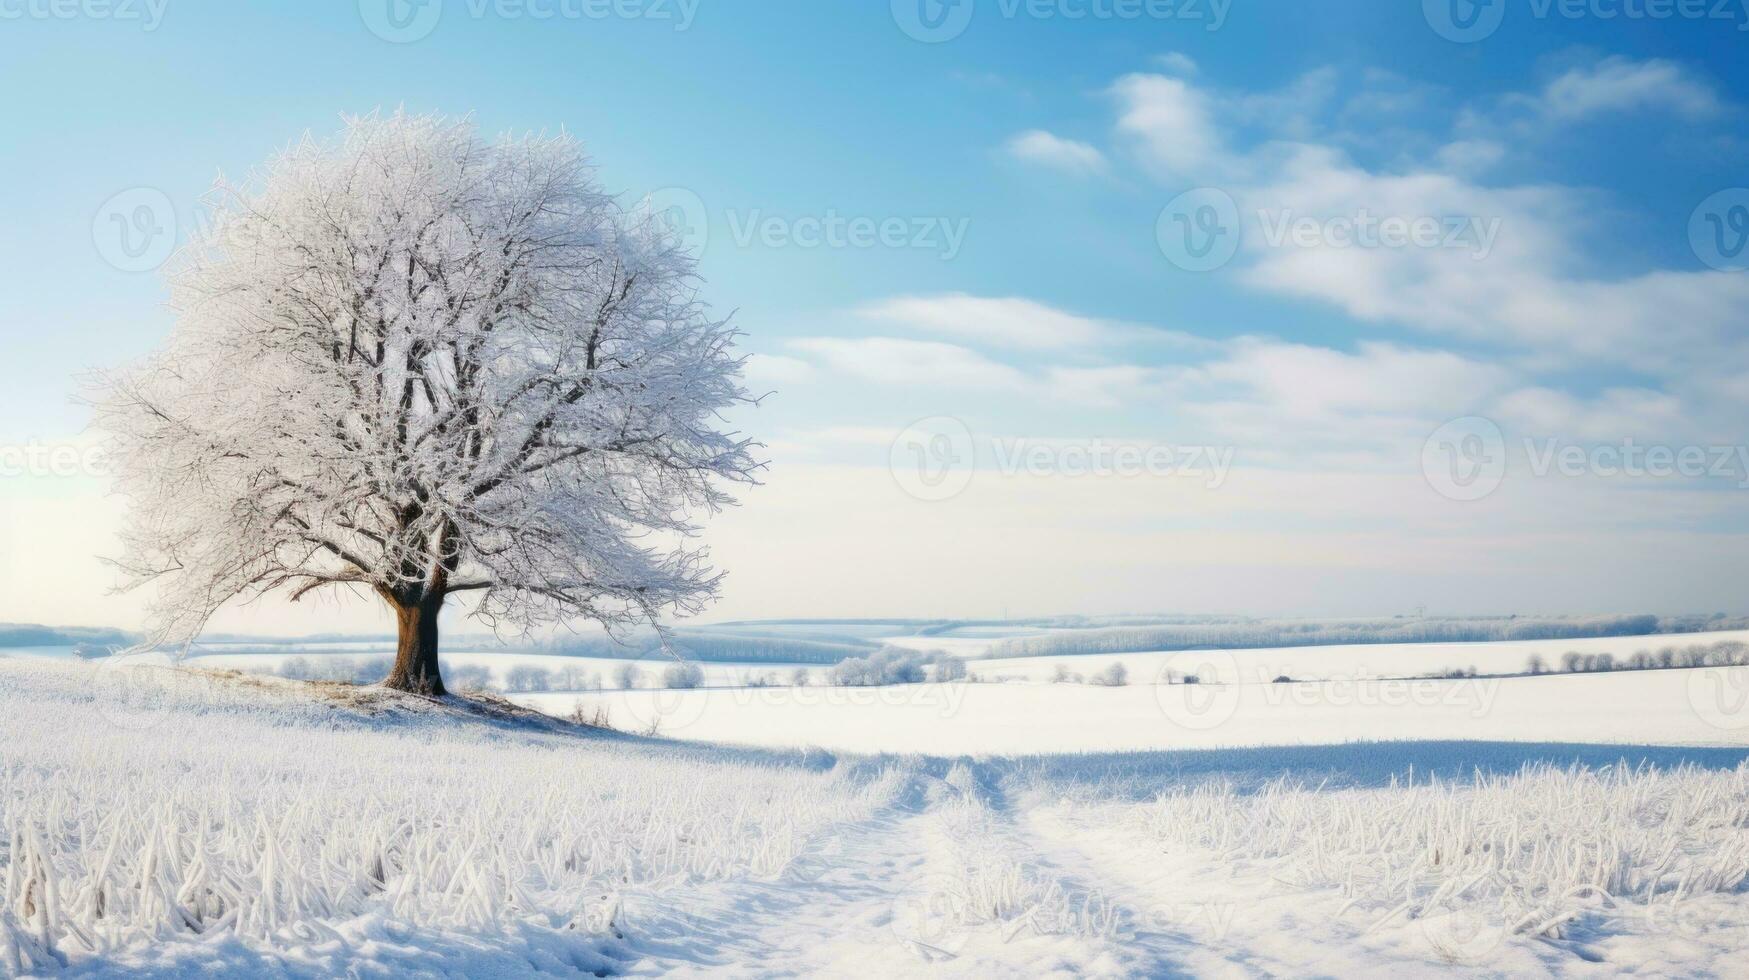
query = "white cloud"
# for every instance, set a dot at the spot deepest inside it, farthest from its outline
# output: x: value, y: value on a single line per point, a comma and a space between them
x: 898, y: 361
x: 1528, y: 289
x: 1176, y: 63
x: 1103, y: 386
x: 1290, y: 112
x: 1066, y: 155
x: 1171, y: 120
x: 766, y: 370
x: 1305, y: 382
x: 1613, y: 415
x: 1622, y: 85
x: 1008, y: 321
x: 1470, y: 157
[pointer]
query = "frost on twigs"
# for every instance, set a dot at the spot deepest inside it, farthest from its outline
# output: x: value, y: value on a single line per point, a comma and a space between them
x: 413, y: 363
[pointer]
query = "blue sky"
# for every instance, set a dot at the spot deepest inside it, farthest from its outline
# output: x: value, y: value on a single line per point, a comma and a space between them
x: 1052, y: 143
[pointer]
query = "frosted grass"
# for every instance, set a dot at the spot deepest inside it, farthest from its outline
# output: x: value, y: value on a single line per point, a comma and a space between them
x: 226, y: 820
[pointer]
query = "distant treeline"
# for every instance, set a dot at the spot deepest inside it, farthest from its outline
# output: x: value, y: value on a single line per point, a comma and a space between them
x: 14, y: 635
x: 1730, y: 653
x: 708, y: 646
x: 1254, y: 634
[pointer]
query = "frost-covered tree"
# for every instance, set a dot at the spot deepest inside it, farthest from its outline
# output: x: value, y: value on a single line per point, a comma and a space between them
x: 413, y: 362
x: 683, y: 676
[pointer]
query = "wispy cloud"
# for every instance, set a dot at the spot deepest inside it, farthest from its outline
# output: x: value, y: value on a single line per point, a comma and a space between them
x: 1069, y: 156
x: 1006, y: 321
x: 1623, y: 85
x: 900, y: 361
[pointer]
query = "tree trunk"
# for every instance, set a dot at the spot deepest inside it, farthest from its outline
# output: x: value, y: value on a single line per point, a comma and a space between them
x: 416, y: 654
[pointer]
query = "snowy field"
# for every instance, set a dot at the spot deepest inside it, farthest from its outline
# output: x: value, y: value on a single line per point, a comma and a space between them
x: 1339, y: 662
x: 1334, y: 694
x: 1666, y: 707
x: 162, y: 821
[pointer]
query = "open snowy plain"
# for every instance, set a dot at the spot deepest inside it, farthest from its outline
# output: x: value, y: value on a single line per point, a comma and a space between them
x: 1355, y: 821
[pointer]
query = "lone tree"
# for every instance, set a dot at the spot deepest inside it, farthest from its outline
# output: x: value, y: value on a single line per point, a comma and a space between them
x: 413, y: 362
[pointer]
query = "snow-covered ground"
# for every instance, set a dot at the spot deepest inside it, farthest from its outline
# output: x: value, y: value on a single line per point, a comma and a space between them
x: 160, y: 822
x: 1665, y: 707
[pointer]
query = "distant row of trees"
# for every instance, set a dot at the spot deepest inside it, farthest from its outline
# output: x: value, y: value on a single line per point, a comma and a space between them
x: 1115, y: 674
x: 1730, y: 653
x: 706, y: 646
x: 1255, y: 634
x: 897, y: 665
